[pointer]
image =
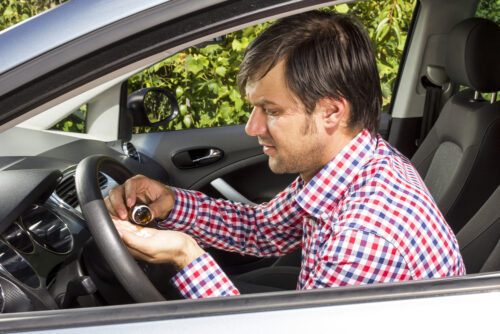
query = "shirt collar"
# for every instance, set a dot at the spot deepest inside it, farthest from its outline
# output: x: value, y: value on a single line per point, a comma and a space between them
x: 322, y: 194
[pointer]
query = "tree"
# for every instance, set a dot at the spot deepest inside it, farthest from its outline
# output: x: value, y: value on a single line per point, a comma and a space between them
x: 14, y: 11
x: 204, y: 78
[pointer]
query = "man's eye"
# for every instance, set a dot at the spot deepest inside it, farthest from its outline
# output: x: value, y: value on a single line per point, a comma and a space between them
x: 271, y: 112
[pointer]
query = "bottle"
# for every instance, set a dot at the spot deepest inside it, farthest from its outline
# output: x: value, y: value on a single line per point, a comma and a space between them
x: 140, y: 214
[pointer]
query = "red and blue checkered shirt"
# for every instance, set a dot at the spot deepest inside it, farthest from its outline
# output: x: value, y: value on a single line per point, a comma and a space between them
x: 366, y: 217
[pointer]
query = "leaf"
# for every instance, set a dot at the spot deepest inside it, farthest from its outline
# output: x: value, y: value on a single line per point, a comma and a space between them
x: 212, y: 48
x: 213, y: 87
x: 343, y: 8
x: 225, y: 110
x: 382, y: 32
x: 178, y: 92
x: 382, y: 23
x: 188, y: 120
x: 205, y: 120
x: 234, y: 94
x: 221, y: 71
x: 157, y: 67
x: 397, y: 33
x: 238, y: 104
x: 183, y: 109
x: 8, y: 12
x: 223, y: 61
x: 223, y: 91
x: 386, y: 90
x: 236, y: 45
x: 193, y: 65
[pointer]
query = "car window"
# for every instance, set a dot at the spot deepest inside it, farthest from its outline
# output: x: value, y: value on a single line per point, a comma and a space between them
x: 489, y: 9
x: 75, y: 122
x: 13, y: 12
x: 203, y: 77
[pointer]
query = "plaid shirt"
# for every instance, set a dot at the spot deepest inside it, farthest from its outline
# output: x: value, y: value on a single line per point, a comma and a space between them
x: 366, y: 217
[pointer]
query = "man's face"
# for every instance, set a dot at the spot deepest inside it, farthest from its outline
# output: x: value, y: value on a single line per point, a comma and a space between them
x: 289, y: 136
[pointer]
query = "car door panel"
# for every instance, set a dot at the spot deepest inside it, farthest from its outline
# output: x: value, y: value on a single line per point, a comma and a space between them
x: 242, y: 165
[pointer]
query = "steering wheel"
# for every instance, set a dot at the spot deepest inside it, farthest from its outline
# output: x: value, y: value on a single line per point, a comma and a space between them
x: 103, y: 230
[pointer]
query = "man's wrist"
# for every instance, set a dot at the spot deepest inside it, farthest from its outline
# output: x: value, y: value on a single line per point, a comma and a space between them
x: 183, y: 212
x: 191, y: 252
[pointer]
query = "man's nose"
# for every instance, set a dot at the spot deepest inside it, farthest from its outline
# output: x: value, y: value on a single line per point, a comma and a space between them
x: 256, y: 125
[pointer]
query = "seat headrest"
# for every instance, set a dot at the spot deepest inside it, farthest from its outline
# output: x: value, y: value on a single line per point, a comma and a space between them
x: 473, y: 56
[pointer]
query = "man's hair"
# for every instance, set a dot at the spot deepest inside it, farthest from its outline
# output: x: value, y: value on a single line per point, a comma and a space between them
x: 325, y: 55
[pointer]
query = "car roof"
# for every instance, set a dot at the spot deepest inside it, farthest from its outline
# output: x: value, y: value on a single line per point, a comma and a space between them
x: 55, y: 27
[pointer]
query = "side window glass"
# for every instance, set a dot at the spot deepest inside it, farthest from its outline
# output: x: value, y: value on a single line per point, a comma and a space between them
x: 75, y: 122
x: 489, y: 9
x: 204, y: 78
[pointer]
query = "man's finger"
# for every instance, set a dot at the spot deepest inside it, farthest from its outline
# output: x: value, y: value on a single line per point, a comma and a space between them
x: 133, y: 235
x: 110, y: 208
x: 116, y: 201
x: 130, y: 187
x: 163, y: 205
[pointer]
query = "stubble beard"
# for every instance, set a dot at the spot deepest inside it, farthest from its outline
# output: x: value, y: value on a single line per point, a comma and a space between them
x: 304, y: 159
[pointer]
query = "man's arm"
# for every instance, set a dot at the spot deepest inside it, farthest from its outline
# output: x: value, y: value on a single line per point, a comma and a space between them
x: 355, y: 257
x: 272, y: 228
x: 269, y: 229
x: 203, y: 278
x: 199, y: 275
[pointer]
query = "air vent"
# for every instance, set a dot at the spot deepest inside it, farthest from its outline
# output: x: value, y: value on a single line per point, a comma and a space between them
x: 130, y: 150
x: 66, y: 189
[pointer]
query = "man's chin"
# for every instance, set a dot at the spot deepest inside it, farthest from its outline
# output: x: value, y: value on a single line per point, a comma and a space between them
x: 276, y: 167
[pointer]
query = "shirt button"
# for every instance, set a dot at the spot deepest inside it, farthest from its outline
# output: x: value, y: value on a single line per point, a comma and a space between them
x: 324, y: 216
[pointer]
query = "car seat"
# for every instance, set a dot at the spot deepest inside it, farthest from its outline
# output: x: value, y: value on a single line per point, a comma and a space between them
x: 479, y: 240
x: 458, y: 159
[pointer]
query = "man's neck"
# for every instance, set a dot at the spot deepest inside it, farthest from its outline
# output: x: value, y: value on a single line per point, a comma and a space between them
x: 338, y: 141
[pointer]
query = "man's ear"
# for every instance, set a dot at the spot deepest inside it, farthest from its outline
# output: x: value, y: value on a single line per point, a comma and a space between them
x: 334, y: 112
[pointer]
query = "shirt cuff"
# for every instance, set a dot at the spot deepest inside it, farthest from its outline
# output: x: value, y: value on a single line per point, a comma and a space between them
x: 203, y: 278
x: 183, y: 213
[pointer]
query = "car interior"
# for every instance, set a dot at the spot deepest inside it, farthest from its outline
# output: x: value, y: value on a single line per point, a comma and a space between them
x: 444, y: 116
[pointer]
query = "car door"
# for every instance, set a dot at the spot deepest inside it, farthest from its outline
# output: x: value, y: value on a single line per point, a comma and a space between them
x: 221, y: 162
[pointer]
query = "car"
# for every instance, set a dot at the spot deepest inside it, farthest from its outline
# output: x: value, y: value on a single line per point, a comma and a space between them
x: 64, y: 269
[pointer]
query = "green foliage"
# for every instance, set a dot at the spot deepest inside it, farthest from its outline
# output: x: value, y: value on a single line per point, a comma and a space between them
x: 387, y: 23
x: 14, y: 11
x: 204, y: 82
x: 204, y: 79
x: 489, y: 9
x: 74, y: 122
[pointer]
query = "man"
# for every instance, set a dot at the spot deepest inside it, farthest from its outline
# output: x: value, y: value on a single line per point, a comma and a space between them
x: 359, y: 210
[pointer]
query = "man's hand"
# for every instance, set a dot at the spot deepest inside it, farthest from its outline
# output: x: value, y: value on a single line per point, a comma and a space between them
x: 159, y: 197
x: 158, y: 246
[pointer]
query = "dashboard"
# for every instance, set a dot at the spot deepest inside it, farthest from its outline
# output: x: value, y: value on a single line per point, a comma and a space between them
x: 43, y: 234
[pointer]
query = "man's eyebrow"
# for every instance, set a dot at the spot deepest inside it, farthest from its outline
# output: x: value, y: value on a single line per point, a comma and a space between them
x: 264, y: 102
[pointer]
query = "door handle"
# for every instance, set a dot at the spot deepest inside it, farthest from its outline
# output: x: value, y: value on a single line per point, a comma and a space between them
x: 196, y: 157
x: 212, y: 156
